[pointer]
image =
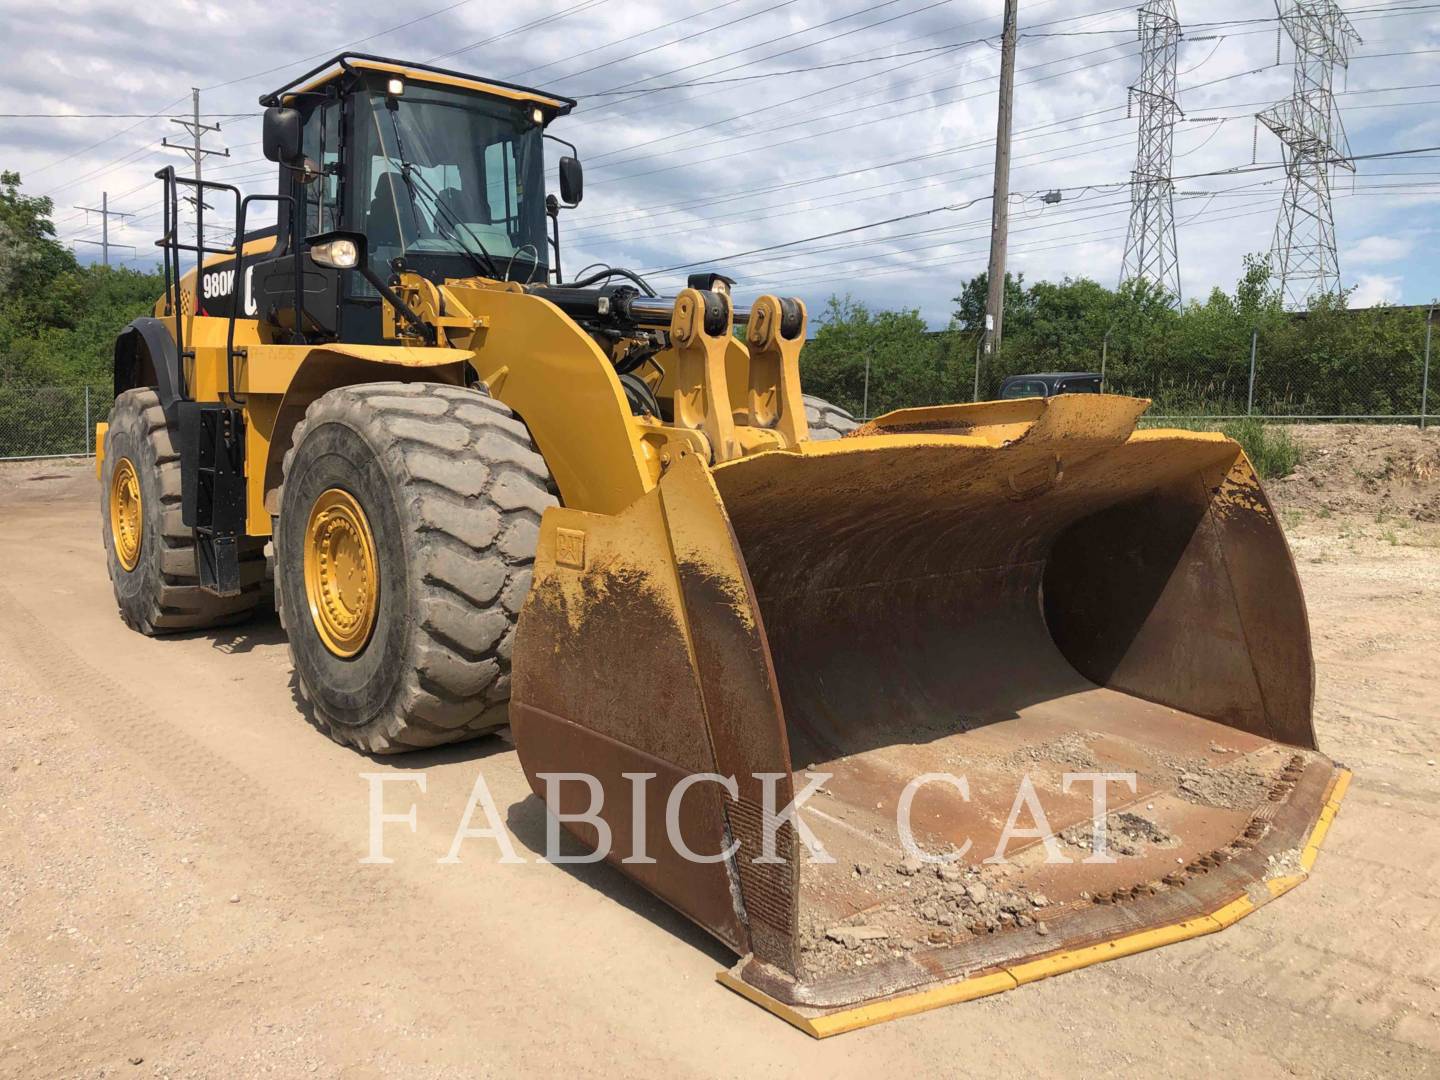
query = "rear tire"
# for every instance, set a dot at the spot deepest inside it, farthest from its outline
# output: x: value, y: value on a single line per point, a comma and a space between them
x: 157, y: 584
x: 827, y: 421
x: 451, y: 490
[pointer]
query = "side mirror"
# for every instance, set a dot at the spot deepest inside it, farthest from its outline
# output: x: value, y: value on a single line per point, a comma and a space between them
x: 337, y: 250
x: 572, y: 181
x: 281, y: 135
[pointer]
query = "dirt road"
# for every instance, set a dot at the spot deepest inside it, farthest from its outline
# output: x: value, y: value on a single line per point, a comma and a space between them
x: 182, y: 893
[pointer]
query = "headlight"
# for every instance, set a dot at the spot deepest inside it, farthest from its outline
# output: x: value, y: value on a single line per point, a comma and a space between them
x: 340, y: 254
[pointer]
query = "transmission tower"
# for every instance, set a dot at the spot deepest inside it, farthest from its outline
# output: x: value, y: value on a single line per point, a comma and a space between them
x: 1150, y: 251
x: 1302, y: 256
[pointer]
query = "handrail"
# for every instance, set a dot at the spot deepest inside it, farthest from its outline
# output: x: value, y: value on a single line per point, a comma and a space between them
x: 170, y: 243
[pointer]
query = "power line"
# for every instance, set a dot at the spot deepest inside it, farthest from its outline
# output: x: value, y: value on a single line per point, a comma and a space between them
x: 686, y: 38
x: 553, y: 17
x: 1233, y: 171
x: 911, y: 267
x: 824, y: 90
x: 650, y: 213
x: 623, y: 39
x: 786, y: 52
x: 339, y: 48
x: 231, y: 82
x: 104, y: 116
x: 704, y: 80
x: 851, y: 124
x: 734, y: 256
x: 805, y: 70
x: 1040, y: 157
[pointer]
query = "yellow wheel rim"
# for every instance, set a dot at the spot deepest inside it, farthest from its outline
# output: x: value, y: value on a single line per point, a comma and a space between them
x: 342, y: 578
x: 127, y: 525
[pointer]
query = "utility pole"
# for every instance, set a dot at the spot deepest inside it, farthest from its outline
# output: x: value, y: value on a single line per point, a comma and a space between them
x: 1303, y: 252
x: 999, y: 208
x: 105, y: 215
x: 196, y: 152
x: 1150, y: 251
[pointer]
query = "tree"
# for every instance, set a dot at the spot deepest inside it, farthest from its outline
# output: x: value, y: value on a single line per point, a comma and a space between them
x: 907, y: 364
x: 969, y: 314
x: 58, y: 319
x: 30, y: 256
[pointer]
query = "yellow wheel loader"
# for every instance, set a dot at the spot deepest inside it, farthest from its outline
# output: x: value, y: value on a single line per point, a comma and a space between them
x: 902, y: 713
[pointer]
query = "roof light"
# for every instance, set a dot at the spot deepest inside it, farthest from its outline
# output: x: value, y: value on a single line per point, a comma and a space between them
x: 395, y: 87
x: 537, y: 116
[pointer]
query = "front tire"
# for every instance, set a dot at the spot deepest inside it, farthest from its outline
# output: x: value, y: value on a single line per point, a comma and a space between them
x: 438, y: 491
x: 827, y: 421
x: 149, y: 550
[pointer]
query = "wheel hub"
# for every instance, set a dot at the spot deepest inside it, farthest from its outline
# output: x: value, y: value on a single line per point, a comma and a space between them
x: 127, y: 525
x: 342, y: 580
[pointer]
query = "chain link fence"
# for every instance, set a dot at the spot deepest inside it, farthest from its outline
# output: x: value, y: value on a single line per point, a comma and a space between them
x: 1375, y: 365
x: 1277, y: 385
x: 1293, y: 370
x: 51, y: 421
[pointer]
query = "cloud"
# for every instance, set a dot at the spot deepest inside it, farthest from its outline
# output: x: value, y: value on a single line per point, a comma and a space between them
x: 1378, y: 249
x: 826, y: 116
x: 1372, y: 289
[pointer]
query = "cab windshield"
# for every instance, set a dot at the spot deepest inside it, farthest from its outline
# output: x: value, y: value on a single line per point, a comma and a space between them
x: 447, y: 173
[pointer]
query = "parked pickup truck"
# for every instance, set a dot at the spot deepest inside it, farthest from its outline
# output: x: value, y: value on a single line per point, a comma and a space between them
x: 1046, y: 384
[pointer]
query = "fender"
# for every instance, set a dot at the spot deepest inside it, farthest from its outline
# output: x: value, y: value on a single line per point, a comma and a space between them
x: 145, y: 355
x: 279, y: 399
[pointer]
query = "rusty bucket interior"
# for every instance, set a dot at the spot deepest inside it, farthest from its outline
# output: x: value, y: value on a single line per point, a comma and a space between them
x: 998, y: 595
x: 1066, y: 603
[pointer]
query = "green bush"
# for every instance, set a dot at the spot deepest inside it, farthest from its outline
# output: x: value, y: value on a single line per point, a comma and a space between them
x: 58, y: 319
x: 1270, y: 447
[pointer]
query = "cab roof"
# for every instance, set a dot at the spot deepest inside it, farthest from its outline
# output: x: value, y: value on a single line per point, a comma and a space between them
x: 349, y: 63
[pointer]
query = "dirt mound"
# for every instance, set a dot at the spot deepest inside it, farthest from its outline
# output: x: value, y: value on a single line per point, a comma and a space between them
x: 1363, y: 469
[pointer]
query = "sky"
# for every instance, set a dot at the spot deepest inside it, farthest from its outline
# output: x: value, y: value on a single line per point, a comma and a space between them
x: 803, y: 128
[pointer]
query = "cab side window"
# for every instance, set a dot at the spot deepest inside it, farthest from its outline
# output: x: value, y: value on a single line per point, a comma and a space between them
x: 501, y: 192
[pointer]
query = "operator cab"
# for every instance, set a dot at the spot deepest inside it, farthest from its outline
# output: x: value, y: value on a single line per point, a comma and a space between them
x: 431, y: 171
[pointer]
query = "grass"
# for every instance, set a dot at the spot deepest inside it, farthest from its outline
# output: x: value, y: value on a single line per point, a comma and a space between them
x: 1269, y: 447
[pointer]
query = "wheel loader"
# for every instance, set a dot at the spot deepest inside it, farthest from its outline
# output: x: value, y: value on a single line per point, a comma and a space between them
x: 940, y: 704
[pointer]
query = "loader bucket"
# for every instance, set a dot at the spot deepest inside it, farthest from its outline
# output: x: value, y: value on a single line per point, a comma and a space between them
x: 959, y: 617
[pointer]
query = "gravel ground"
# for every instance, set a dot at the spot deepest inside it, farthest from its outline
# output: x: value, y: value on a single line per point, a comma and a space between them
x: 182, y: 892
